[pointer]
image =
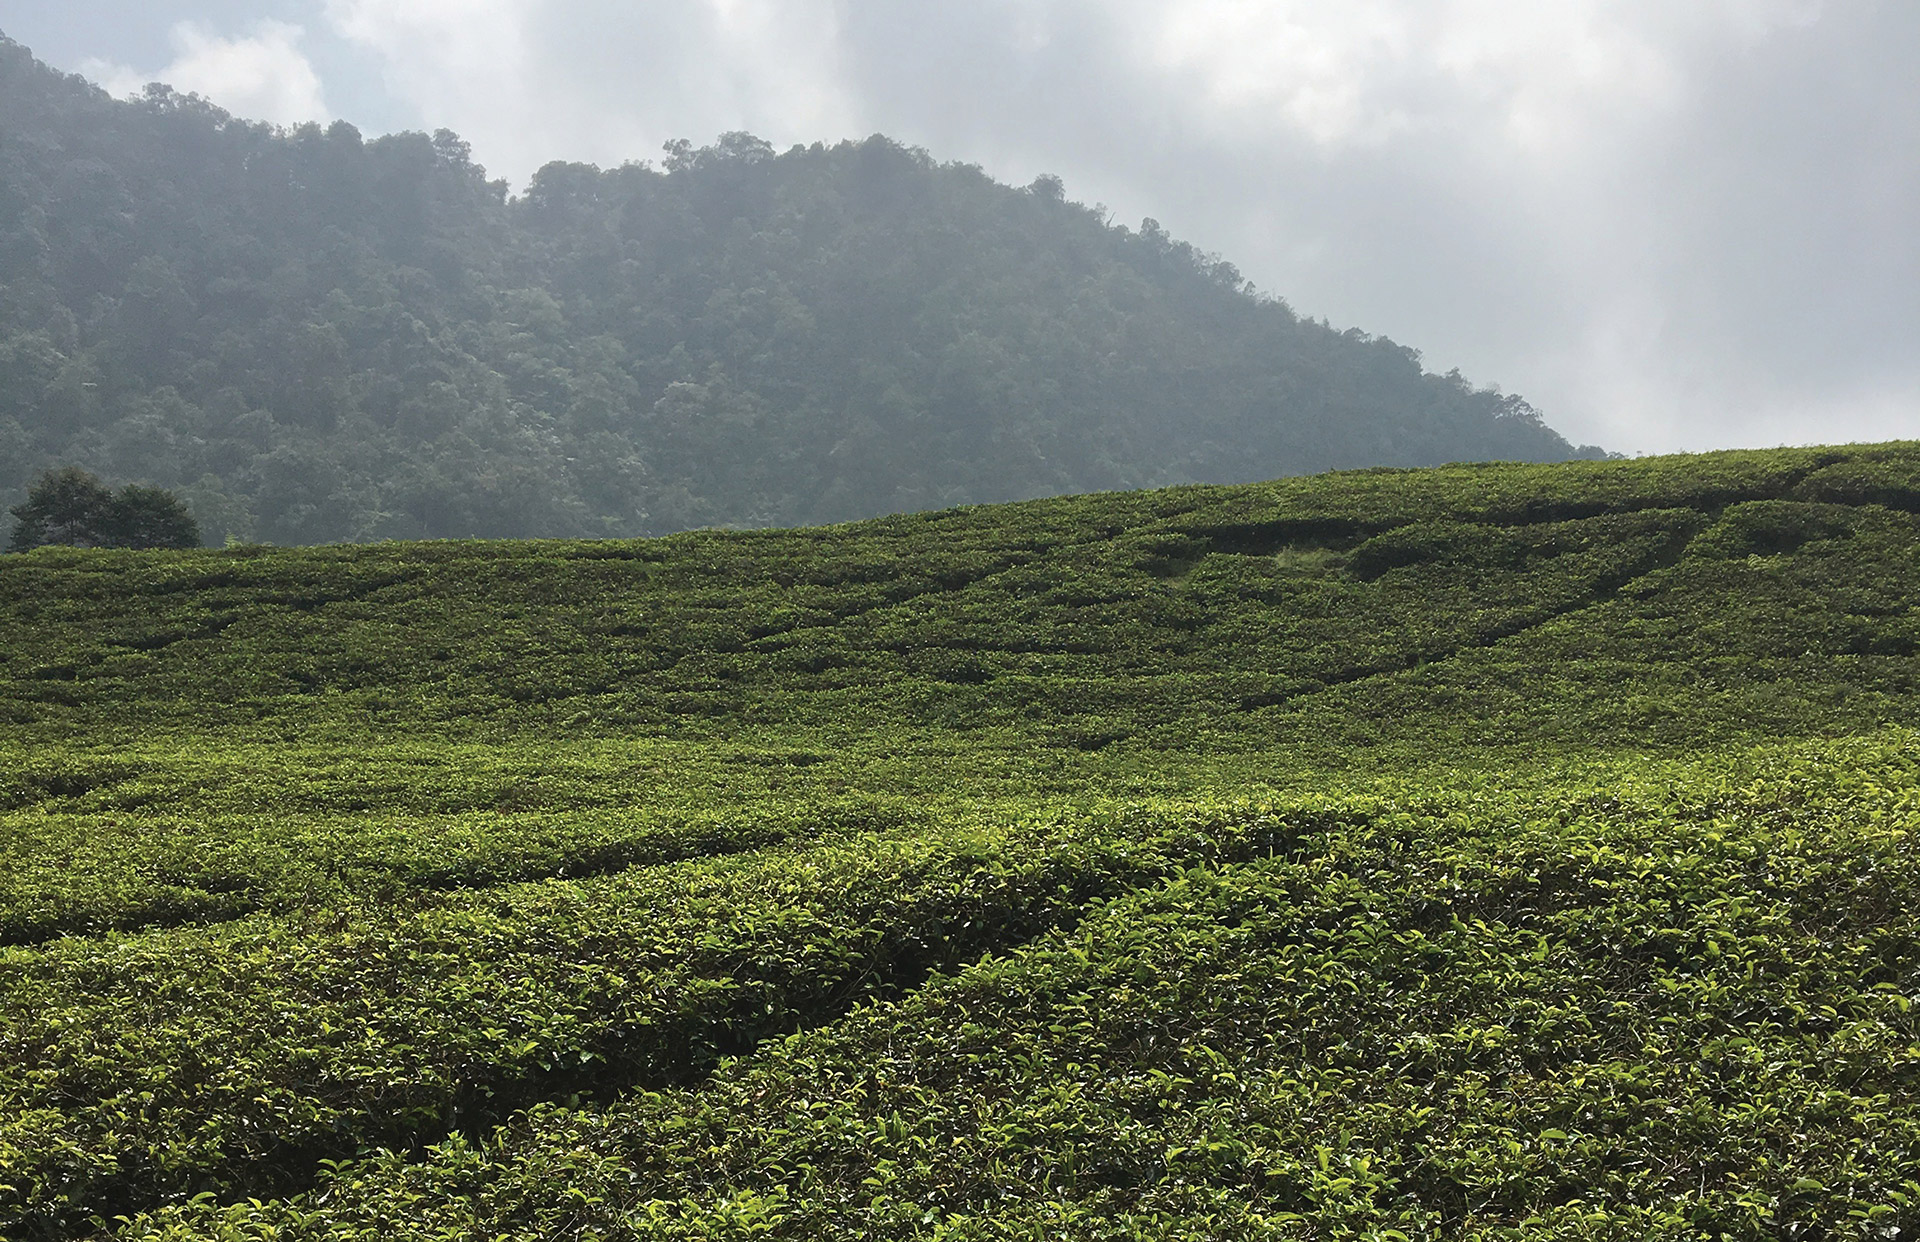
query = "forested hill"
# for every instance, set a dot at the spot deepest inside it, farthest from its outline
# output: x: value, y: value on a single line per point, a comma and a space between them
x: 318, y: 337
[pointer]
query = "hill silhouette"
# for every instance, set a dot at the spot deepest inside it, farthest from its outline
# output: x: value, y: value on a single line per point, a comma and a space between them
x: 320, y: 337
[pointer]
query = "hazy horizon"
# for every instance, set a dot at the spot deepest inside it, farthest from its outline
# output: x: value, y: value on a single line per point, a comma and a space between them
x: 1667, y: 230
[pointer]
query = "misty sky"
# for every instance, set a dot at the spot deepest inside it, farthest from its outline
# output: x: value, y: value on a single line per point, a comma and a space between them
x: 1669, y: 225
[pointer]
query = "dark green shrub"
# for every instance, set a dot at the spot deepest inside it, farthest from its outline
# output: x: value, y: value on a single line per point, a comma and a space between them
x: 72, y: 507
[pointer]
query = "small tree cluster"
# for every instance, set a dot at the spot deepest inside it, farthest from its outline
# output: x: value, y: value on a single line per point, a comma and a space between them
x: 70, y: 506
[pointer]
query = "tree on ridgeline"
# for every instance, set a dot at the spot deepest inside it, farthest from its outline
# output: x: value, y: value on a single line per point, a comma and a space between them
x: 72, y: 507
x: 67, y: 506
x: 150, y: 517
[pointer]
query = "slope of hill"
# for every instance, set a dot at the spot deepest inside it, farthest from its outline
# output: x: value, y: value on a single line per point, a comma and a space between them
x: 323, y: 338
x: 1478, y: 852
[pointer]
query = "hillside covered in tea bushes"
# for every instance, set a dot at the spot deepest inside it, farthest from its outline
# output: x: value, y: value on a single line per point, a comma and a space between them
x: 1467, y: 853
x: 317, y: 336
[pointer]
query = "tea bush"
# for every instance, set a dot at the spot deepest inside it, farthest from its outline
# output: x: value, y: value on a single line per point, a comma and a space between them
x: 1677, y: 1010
x: 1484, y: 852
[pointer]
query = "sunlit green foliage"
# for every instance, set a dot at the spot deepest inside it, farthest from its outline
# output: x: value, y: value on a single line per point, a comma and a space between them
x: 1485, y: 852
x: 1669, y: 1008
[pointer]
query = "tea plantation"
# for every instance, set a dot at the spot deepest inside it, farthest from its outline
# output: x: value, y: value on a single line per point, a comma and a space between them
x: 1481, y: 852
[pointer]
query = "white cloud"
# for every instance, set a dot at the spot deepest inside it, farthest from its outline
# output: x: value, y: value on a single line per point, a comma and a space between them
x: 263, y: 75
x: 529, y: 81
x: 116, y: 79
x: 1309, y: 69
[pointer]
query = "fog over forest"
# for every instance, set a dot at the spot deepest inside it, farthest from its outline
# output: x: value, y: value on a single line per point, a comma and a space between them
x: 315, y: 336
x: 1670, y: 226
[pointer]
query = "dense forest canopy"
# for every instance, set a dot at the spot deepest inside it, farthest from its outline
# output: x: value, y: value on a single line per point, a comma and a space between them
x: 318, y: 337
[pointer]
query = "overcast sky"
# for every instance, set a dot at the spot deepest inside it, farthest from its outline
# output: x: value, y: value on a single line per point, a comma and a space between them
x: 1670, y: 224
